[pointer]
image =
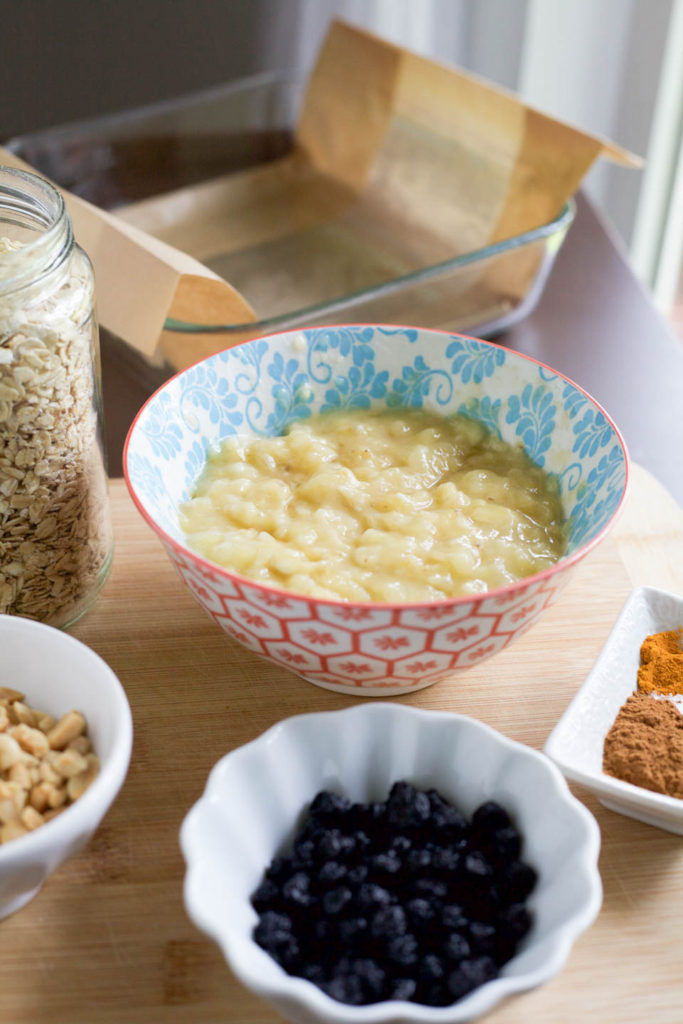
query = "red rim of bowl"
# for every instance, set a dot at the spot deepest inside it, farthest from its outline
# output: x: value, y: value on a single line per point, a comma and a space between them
x: 563, y: 563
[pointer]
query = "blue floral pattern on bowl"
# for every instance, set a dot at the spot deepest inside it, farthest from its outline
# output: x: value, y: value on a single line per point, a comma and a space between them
x: 262, y: 386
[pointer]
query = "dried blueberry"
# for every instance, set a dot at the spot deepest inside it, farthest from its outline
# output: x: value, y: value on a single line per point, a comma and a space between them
x: 470, y: 974
x: 431, y: 888
x: 476, y: 867
x: 328, y: 805
x: 431, y: 968
x: 266, y: 895
x: 336, y: 899
x: 289, y: 955
x: 402, y: 988
x: 489, y: 817
x: 444, y: 816
x: 514, y: 921
x: 482, y: 937
x: 377, y: 811
x: 345, y: 989
x: 388, y: 863
x: 370, y: 818
x: 273, y: 931
x: 314, y: 973
x: 407, y: 807
x: 506, y: 844
x: 372, y: 895
x: 402, y: 844
x: 446, y: 859
x: 419, y: 860
x: 352, y: 929
x: 361, y: 842
x: 516, y: 882
x: 420, y: 911
x: 372, y: 977
x: 304, y: 851
x: 334, y: 845
x: 453, y: 917
x: 332, y: 871
x: 456, y: 947
x: 357, y: 874
x: 278, y: 867
x: 403, y: 950
x: 297, y: 889
x: 388, y: 921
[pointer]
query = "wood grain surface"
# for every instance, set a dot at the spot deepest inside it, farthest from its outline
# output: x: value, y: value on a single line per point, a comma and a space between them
x: 107, y: 940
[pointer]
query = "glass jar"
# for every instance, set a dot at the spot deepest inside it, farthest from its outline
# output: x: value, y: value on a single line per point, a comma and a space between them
x: 55, y: 527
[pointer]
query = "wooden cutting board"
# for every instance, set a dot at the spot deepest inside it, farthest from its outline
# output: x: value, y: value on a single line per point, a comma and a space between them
x: 107, y: 940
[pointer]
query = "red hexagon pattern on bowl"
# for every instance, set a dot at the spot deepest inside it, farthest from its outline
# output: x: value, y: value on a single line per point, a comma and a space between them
x: 366, y: 649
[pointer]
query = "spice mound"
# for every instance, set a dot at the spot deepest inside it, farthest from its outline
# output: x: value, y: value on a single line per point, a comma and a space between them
x: 661, y: 663
x: 45, y: 764
x: 645, y: 745
x: 399, y: 899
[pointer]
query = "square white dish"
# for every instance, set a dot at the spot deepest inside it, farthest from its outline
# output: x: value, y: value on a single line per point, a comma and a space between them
x: 576, y: 742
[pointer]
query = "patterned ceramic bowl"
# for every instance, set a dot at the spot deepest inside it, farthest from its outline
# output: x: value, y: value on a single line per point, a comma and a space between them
x: 260, y: 387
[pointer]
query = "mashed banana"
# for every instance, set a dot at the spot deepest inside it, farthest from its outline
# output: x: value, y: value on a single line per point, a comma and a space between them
x: 389, y: 506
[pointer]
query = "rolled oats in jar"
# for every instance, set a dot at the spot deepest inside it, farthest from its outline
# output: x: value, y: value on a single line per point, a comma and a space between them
x: 55, y: 530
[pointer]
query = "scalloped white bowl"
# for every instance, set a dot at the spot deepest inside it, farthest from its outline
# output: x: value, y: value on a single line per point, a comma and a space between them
x: 261, y: 386
x: 58, y: 673
x: 253, y: 801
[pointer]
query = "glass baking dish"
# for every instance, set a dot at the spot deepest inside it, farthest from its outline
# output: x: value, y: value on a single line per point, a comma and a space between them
x: 120, y: 159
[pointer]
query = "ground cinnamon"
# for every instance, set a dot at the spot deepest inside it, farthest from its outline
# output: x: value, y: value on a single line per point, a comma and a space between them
x: 645, y: 745
x: 661, y: 663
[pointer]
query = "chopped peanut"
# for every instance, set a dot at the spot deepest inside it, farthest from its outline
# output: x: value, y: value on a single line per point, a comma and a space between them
x: 45, y: 722
x: 10, y: 751
x: 48, y: 773
x: 77, y: 785
x: 69, y: 763
x: 82, y: 744
x: 39, y: 794
x: 24, y: 713
x: 22, y: 774
x: 10, y: 695
x: 12, y: 801
x: 33, y: 741
x: 69, y: 726
x: 30, y: 818
x: 45, y: 764
x: 12, y: 715
x: 57, y: 796
x: 11, y: 830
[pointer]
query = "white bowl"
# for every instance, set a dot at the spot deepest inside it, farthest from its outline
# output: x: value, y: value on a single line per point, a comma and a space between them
x: 254, y: 797
x: 260, y: 387
x: 57, y: 673
x: 576, y: 743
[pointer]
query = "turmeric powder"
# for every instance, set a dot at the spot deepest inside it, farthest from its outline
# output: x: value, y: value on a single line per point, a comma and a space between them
x: 661, y: 663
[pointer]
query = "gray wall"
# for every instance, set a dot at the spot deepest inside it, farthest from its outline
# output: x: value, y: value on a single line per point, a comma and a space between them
x: 61, y: 60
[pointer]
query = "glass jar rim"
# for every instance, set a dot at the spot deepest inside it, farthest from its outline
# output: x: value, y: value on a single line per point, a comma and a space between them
x: 41, y: 205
